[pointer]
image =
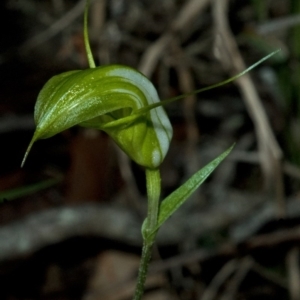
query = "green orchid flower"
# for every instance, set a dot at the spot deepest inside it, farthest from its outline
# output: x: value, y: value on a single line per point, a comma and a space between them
x: 108, y: 98
x: 122, y: 102
x: 116, y: 99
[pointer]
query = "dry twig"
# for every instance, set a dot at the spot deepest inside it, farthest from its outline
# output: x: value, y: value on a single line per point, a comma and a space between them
x: 244, y: 266
x: 55, y: 28
x: 186, y: 15
x: 118, y: 223
x: 292, y: 261
x: 226, y: 271
x: 269, y: 150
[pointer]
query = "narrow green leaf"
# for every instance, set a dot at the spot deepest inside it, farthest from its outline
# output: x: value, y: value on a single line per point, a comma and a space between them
x: 170, y: 204
x: 28, y: 189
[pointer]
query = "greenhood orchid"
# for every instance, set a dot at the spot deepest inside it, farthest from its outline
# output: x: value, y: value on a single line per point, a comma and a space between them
x: 107, y: 98
x: 124, y: 103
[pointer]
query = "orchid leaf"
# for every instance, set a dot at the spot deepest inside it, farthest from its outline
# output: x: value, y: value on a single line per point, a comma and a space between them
x: 170, y: 204
x: 28, y: 189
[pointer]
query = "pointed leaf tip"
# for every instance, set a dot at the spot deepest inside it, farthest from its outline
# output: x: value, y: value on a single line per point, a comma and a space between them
x: 28, y: 150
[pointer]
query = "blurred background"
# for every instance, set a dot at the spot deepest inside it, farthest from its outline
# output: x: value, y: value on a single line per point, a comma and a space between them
x: 70, y: 218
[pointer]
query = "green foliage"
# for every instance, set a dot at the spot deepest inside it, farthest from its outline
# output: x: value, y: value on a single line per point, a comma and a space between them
x: 27, y: 190
x: 170, y: 204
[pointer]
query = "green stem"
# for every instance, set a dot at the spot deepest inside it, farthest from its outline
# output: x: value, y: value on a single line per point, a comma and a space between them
x: 143, y: 269
x: 86, y: 37
x: 153, y: 193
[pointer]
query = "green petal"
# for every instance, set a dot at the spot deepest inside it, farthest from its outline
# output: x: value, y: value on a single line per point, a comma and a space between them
x: 100, y: 98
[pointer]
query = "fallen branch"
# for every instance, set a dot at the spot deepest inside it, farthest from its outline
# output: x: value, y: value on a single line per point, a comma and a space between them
x: 55, y: 225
